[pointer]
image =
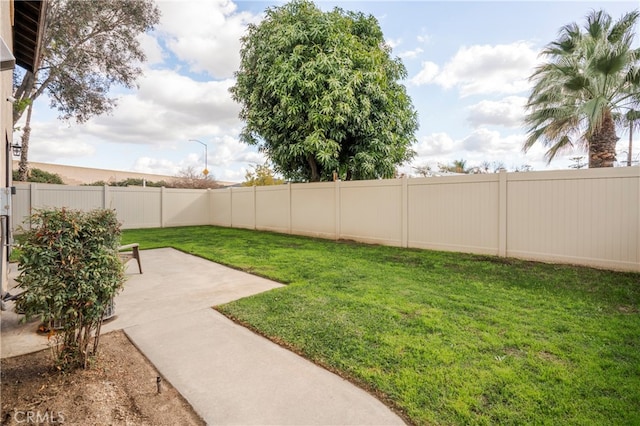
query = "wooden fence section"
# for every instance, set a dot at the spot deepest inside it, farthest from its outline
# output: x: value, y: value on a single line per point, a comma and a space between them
x: 588, y: 217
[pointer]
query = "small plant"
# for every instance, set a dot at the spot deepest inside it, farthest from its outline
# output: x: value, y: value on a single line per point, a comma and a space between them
x: 70, y: 271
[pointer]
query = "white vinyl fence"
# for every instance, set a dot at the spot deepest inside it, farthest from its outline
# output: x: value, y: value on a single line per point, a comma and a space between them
x: 136, y: 207
x: 588, y: 217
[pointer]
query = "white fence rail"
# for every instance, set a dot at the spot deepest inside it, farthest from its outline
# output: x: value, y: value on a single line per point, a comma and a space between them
x: 588, y: 217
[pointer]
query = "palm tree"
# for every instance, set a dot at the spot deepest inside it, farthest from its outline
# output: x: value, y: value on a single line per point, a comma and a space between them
x: 458, y: 166
x: 591, y: 77
x: 633, y: 120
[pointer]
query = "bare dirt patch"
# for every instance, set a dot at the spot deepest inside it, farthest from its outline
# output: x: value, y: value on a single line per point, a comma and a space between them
x: 625, y: 309
x: 119, y: 389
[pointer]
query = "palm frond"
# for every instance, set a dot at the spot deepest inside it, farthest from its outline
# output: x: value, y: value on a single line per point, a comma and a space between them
x: 620, y: 29
x: 563, y: 144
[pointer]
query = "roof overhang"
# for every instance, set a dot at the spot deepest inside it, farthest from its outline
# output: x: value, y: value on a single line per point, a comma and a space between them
x: 7, y: 60
x: 28, y: 28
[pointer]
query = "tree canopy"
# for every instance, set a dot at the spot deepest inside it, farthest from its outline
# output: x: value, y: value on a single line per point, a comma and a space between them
x: 261, y: 175
x: 87, y: 47
x: 590, y: 81
x: 320, y: 93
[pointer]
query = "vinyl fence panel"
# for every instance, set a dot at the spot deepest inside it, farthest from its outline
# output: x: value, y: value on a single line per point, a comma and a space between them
x: 272, y: 207
x: 313, y: 209
x: 185, y: 207
x: 454, y: 213
x: 243, y: 207
x: 587, y: 217
x: 136, y: 207
x: 371, y: 211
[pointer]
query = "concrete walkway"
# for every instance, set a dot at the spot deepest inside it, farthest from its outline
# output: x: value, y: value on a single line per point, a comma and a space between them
x: 229, y: 375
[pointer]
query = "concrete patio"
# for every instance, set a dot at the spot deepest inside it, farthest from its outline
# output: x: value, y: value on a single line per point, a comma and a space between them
x: 230, y: 375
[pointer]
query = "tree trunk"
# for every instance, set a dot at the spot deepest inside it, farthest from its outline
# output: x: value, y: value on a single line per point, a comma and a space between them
x: 23, y: 168
x: 602, y: 144
x: 315, y: 174
x: 23, y: 92
x: 630, y: 143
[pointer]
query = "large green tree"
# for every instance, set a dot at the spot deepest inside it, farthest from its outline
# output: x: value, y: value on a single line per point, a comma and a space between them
x: 87, y: 47
x: 590, y: 81
x: 320, y: 93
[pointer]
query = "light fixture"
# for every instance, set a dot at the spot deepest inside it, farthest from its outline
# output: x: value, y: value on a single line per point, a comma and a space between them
x: 205, y: 172
x: 16, y: 149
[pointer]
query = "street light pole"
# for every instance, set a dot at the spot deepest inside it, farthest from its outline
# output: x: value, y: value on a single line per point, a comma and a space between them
x: 205, y: 172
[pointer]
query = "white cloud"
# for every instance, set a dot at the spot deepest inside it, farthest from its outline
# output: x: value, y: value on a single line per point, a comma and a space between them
x: 483, y: 140
x: 411, y: 54
x: 507, y: 112
x: 393, y: 42
x: 426, y: 75
x: 227, y: 150
x: 480, y: 146
x: 169, y: 107
x: 436, y: 144
x: 424, y: 38
x: 151, y: 49
x: 52, y: 140
x: 227, y: 160
x: 415, y: 53
x: 205, y: 34
x: 481, y: 69
x: 157, y: 166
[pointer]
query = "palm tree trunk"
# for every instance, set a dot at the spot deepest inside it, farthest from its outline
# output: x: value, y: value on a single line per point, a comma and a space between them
x: 23, y: 168
x: 630, y: 143
x: 602, y: 144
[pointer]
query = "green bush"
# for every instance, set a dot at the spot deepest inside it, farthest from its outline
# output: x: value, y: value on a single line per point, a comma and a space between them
x: 70, y: 271
x: 130, y: 182
x: 40, y: 176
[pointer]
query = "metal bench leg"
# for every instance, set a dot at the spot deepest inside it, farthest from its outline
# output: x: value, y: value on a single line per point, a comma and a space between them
x: 136, y: 255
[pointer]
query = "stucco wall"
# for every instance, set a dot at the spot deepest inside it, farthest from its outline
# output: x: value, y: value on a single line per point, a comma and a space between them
x: 6, y: 118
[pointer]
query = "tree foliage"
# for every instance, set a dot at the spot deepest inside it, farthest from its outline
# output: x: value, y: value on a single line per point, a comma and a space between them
x: 40, y: 176
x: 457, y: 166
x: 87, y: 47
x: 187, y: 178
x: 590, y: 81
x: 70, y: 270
x: 261, y: 175
x: 320, y: 93
x: 131, y: 182
x: 190, y: 178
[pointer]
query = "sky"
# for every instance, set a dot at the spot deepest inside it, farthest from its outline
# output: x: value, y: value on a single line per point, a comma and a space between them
x: 468, y: 65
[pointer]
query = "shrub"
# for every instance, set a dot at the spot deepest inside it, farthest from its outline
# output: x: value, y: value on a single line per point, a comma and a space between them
x: 70, y: 271
x: 40, y: 176
x: 130, y: 182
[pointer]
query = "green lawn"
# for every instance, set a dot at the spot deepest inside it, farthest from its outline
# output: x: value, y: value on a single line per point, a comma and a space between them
x: 445, y: 338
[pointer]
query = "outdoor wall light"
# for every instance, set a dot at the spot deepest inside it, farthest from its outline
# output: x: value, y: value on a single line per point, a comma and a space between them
x: 16, y: 149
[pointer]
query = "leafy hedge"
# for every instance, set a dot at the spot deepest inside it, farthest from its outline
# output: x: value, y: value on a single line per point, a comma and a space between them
x: 39, y: 176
